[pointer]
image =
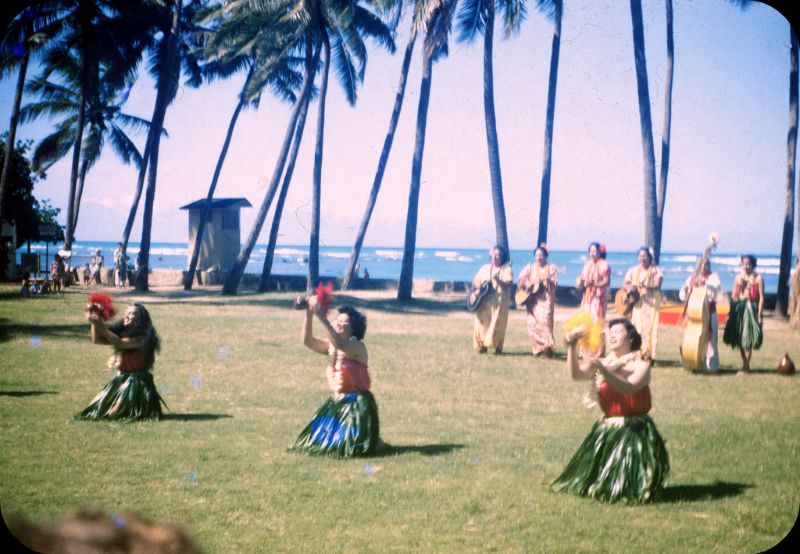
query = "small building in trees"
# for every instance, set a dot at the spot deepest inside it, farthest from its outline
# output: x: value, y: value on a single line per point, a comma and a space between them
x: 222, y: 237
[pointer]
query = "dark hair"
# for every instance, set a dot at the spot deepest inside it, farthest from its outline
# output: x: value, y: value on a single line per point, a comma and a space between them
x: 753, y: 259
x: 601, y: 250
x: 544, y: 250
x: 358, y: 321
x: 142, y: 327
x: 633, y: 334
x: 503, y: 253
x: 646, y: 250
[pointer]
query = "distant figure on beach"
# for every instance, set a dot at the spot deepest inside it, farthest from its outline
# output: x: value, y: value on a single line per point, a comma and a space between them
x: 346, y: 425
x: 744, y: 330
x: 593, y: 282
x: 643, y: 283
x: 25, y: 289
x: 87, y: 274
x: 491, y: 317
x: 97, y: 266
x: 69, y: 271
x: 131, y: 394
x: 536, y: 290
x: 623, y: 458
x: 57, y: 271
x: 713, y: 286
x: 366, y: 274
x: 120, y: 266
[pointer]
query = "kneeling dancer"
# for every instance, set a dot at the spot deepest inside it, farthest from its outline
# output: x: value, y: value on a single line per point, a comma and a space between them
x: 624, y: 457
x: 131, y: 395
x: 346, y: 425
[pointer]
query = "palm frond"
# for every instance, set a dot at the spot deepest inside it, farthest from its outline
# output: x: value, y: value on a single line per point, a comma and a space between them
x: 343, y: 65
x: 471, y: 19
x: 370, y: 25
x: 438, y: 30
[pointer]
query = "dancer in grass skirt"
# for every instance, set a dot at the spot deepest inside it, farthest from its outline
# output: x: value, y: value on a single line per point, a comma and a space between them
x: 743, y: 330
x: 346, y: 425
x: 624, y: 457
x: 131, y: 395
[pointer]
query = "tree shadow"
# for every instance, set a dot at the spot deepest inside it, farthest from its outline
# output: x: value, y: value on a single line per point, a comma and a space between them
x: 22, y: 393
x: 694, y: 493
x: 423, y: 449
x: 9, y: 329
x: 194, y: 417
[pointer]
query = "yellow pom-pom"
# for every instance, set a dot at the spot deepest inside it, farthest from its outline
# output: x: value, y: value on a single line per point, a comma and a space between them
x: 592, y: 338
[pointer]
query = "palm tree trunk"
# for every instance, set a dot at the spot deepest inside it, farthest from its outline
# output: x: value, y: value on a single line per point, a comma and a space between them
x: 544, y: 200
x: 650, y: 218
x: 165, y: 82
x: 266, y: 270
x: 12, y: 128
x: 188, y: 279
x: 500, y: 229
x: 350, y: 273
x: 73, y: 179
x: 81, y: 182
x: 665, y: 139
x: 137, y: 195
x: 235, y: 276
x: 405, y: 285
x: 782, y: 303
x: 316, y: 193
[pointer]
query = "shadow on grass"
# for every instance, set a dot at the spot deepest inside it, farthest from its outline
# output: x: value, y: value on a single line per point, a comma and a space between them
x: 694, y: 493
x: 9, y: 329
x: 424, y: 449
x: 193, y: 417
x: 21, y: 393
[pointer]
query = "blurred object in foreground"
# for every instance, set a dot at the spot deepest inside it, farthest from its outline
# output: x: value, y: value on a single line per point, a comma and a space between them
x: 786, y: 365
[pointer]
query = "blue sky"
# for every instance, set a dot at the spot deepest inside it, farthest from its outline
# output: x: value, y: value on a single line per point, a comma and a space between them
x: 727, y: 167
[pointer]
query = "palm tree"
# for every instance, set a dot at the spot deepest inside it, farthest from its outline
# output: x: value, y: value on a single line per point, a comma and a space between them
x: 173, y: 51
x: 350, y: 272
x: 436, y: 21
x: 643, y: 91
x: 337, y: 28
x: 555, y: 49
x: 105, y: 120
x: 477, y: 16
x: 782, y: 303
x: 665, y: 137
x: 267, y: 66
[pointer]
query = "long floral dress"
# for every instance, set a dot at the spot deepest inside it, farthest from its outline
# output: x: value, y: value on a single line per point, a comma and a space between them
x: 540, y: 309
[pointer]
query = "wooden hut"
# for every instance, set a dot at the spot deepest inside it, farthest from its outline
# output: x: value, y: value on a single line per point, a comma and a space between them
x: 222, y: 237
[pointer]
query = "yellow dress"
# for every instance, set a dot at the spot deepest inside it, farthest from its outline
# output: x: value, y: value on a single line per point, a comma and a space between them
x: 645, y: 311
x: 491, y: 319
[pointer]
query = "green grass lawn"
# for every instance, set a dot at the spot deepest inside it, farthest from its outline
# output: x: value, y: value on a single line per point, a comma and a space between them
x: 477, y: 438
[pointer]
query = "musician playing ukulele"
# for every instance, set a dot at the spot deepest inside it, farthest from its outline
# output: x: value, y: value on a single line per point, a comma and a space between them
x: 491, y: 318
x: 743, y: 330
x: 713, y: 286
x: 643, y: 283
x: 536, y: 290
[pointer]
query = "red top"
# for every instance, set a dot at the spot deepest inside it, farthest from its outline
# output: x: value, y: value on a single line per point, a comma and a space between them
x: 747, y: 293
x: 132, y: 360
x: 615, y: 403
x: 355, y: 376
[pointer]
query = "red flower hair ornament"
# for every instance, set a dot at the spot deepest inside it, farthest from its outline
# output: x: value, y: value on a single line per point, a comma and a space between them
x: 101, y: 304
x: 323, y: 294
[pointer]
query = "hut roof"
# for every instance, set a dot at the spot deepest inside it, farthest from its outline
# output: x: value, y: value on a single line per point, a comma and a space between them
x: 218, y: 203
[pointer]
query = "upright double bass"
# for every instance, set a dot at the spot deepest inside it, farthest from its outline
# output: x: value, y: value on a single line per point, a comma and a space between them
x: 697, y: 315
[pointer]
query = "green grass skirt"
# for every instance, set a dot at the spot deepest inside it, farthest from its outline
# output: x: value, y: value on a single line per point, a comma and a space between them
x: 742, y: 329
x: 342, y: 428
x: 618, y: 461
x: 127, y: 397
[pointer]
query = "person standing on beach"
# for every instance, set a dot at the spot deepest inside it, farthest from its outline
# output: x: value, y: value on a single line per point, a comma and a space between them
x: 744, y: 330
x: 643, y: 281
x: 491, y: 318
x: 713, y: 287
x: 97, y: 266
x: 538, y: 282
x: 57, y: 273
x: 120, y: 266
x: 593, y: 281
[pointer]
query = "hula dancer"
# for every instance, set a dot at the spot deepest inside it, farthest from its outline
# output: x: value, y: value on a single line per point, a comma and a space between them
x: 346, y: 425
x: 624, y: 457
x: 743, y: 330
x: 131, y: 395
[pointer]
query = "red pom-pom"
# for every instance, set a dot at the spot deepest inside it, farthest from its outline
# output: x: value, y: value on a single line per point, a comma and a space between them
x: 103, y: 304
x: 324, y: 295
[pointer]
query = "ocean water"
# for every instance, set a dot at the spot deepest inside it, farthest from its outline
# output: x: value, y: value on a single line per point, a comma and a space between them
x: 440, y: 264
